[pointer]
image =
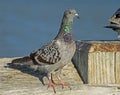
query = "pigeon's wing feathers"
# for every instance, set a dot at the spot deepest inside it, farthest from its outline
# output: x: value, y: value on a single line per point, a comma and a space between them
x: 49, y: 54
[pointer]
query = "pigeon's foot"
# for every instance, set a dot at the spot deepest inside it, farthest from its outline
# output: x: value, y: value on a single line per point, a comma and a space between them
x: 51, y: 84
x: 65, y: 84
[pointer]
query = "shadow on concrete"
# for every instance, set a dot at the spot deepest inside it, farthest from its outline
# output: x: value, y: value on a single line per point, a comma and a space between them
x: 28, y: 70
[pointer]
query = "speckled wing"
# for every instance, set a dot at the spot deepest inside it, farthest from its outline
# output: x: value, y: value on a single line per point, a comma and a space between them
x: 49, y: 54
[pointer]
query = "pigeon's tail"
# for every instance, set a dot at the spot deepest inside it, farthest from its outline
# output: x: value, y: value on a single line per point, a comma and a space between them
x: 23, y: 61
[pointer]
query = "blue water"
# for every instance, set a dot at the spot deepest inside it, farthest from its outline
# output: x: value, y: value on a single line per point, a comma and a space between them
x: 26, y: 25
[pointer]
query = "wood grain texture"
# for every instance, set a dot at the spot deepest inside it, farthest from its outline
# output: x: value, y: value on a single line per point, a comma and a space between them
x: 117, y: 69
x: 98, y: 62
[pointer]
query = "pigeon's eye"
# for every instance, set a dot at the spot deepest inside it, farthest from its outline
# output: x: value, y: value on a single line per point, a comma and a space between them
x: 70, y: 12
x: 117, y: 15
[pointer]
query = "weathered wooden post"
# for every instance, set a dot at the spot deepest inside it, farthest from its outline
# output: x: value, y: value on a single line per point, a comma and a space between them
x: 98, y: 62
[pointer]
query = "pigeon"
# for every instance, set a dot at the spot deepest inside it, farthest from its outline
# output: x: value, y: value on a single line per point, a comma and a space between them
x: 53, y: 56
x: 115, y: 22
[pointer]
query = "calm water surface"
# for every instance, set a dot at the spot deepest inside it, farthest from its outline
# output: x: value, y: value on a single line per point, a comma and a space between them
x: 26, y: 25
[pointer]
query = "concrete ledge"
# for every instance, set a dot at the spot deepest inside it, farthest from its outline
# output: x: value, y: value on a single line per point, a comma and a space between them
x: 15, y: 82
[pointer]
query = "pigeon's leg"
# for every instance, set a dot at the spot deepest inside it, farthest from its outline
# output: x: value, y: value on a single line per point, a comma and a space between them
x: 51, y: 84
x: 62, y: 82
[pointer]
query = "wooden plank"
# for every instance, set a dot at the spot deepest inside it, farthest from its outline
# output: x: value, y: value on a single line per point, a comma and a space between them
x: 101, y: 68
x: 112, y: 67
x: 117, y: 65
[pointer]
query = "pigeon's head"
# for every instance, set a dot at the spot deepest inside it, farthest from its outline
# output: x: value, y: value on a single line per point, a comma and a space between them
x: 71, y: 13
x: 115, y: 21
x: 116, y: 17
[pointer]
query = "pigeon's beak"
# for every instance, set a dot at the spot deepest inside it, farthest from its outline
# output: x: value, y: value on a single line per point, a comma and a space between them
x: 113, y: 26
x: 76, y: 15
